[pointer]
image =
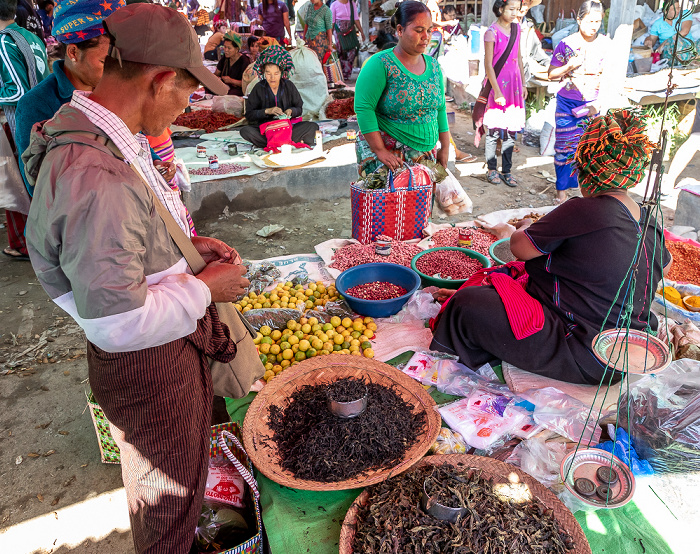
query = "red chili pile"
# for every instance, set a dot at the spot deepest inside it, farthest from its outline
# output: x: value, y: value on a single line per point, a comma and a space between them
x: 355, y: 254
x: 481, y: 240
x: 206, y: 119
x: 686, y: 262
x: 341, y: 109
x: 377, y: 290
x: 448, y: 264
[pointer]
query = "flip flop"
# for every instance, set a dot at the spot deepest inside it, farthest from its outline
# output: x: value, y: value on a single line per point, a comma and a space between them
x: 465, y: 157
x: 15, y: 255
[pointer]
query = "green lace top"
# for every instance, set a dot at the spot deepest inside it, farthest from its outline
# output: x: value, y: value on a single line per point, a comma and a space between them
x: 408, y: 107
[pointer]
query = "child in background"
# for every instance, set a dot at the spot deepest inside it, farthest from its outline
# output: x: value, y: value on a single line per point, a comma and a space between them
x: 505, y: 108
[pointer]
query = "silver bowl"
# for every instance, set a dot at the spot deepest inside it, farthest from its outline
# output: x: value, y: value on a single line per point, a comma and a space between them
x: 348, y: 410
x: 440, y: 511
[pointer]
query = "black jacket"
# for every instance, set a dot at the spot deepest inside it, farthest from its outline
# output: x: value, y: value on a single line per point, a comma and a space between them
x: 261, y: 98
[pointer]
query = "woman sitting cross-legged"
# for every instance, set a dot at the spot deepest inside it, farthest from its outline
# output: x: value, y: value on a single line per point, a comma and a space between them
x: 275, y: 97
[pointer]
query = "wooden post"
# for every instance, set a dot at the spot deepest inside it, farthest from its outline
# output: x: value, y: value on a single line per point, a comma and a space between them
x: 364, y: 9
x: 620, y: 27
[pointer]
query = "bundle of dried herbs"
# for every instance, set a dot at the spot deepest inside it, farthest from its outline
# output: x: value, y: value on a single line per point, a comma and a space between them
x: 393, y: 521
x: 315, y: 445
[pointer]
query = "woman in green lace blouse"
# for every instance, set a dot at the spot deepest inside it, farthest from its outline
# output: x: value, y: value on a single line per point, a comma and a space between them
x: 400, y: 99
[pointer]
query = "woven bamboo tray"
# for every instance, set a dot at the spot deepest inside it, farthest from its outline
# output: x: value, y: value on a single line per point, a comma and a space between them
x: 490, y: 469
x: 324, y: 369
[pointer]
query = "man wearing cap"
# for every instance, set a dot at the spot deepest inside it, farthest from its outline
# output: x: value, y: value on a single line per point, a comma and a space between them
x: 104, y: 255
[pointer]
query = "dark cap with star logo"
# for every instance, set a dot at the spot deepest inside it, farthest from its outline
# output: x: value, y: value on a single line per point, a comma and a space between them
x: 80, y: 20
x: 156, y: 35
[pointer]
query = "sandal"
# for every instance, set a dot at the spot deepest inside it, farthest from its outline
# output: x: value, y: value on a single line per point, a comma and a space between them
x: 465, y: 157
x: 493, y: 177
x: 15, y: 254
x: 509, y: 180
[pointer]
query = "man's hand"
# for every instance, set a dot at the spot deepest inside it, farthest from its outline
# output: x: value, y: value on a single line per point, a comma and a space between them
x: 215, y: 250
x: 225, y: 281
x: 166, y: 169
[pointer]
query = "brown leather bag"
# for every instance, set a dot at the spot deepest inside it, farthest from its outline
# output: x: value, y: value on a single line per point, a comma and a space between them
x: 232, y: 379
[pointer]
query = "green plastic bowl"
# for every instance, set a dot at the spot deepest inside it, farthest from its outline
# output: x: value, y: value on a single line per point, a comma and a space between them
x: 429, y: 281
x: 492, y: 250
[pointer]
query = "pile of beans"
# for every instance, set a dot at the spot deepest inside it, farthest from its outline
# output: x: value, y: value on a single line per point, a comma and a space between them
x: 686, y: 262
x: 448, y: 264
x: 377, y: 290
x: 223, y: 169
x: 355, y: 254
x: 481, y: 240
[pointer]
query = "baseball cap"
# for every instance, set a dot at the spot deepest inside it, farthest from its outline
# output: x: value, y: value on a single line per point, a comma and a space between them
x: 156, y: 35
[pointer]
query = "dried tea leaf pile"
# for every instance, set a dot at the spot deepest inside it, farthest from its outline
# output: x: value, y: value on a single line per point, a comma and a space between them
x: 393, y: 521
x: 315, y: 445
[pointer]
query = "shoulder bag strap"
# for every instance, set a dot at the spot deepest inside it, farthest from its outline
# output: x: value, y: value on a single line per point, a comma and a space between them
x: 26, y: 49
x: 509, y: 47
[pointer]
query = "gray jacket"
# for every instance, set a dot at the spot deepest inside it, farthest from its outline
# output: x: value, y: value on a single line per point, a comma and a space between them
x: 98, y: 246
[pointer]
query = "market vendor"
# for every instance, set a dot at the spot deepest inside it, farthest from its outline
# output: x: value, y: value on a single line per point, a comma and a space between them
x: 275, y: 97
x: 400, y: 99
x: 231, y: 67
x: 104, y: 255
x: 662, y: 33
x: 576, y: 259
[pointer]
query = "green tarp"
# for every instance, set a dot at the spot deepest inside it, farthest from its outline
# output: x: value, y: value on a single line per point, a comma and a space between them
x: 299, y: 521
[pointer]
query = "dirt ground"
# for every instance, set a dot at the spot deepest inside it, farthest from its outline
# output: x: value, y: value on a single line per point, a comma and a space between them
x: 49, y: 458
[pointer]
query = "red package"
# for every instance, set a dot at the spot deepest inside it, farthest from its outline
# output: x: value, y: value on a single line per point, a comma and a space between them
x: 225, y: 484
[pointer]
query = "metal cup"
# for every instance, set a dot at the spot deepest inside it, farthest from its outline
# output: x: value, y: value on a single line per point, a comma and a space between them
x: 348, y: 410
x: 232, y: 149
x: 440, y: 511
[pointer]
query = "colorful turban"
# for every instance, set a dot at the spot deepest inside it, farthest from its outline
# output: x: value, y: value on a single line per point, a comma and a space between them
x: 613, y: 152
x: 235, y: 38
x: 276, y: 55
x: 80, y: 20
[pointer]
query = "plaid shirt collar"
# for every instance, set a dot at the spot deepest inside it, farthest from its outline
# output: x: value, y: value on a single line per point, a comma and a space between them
x: 130, y: 145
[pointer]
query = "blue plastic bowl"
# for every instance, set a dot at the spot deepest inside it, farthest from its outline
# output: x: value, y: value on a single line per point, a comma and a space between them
x: 369, y: 273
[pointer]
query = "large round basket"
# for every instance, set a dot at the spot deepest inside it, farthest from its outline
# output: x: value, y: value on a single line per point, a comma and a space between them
x: 324, y: 369
x: 490, y: 469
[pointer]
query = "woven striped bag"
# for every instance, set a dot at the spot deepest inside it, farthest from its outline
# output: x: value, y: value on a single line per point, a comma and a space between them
x: 397, y: 212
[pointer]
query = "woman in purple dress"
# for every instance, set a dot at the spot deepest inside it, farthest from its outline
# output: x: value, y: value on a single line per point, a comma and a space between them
x: 578, y: 62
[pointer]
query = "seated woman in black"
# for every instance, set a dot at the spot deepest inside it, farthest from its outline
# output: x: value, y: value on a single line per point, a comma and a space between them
x: 275, y: 96
x: 231, y: 67
x: 576, y: 258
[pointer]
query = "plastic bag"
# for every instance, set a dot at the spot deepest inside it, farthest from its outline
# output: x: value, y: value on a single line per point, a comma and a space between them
x: 310, y: 80
x: 261, y: 276
x: 331, y: 309
x: 13, y: 193
x: 425, y: 364
x: 448, y: 442
x: 665, y: 417
x: 451, y: 196
x: 547, y: 139
x: 540, y: 459
x: 182, y: 176
x: 298, y: 277
x: 623, y: 449
x: 565, y: 415
x: 274, y: 318
x: 220, y: 525
x: 420, y: 307
x: 233, y: 105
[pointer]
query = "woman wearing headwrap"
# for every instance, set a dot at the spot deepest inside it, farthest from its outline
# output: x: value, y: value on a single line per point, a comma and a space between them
x: 576, y: 259
x: 275, y: 97
x: 231, y: 67
x: 83, y: 47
